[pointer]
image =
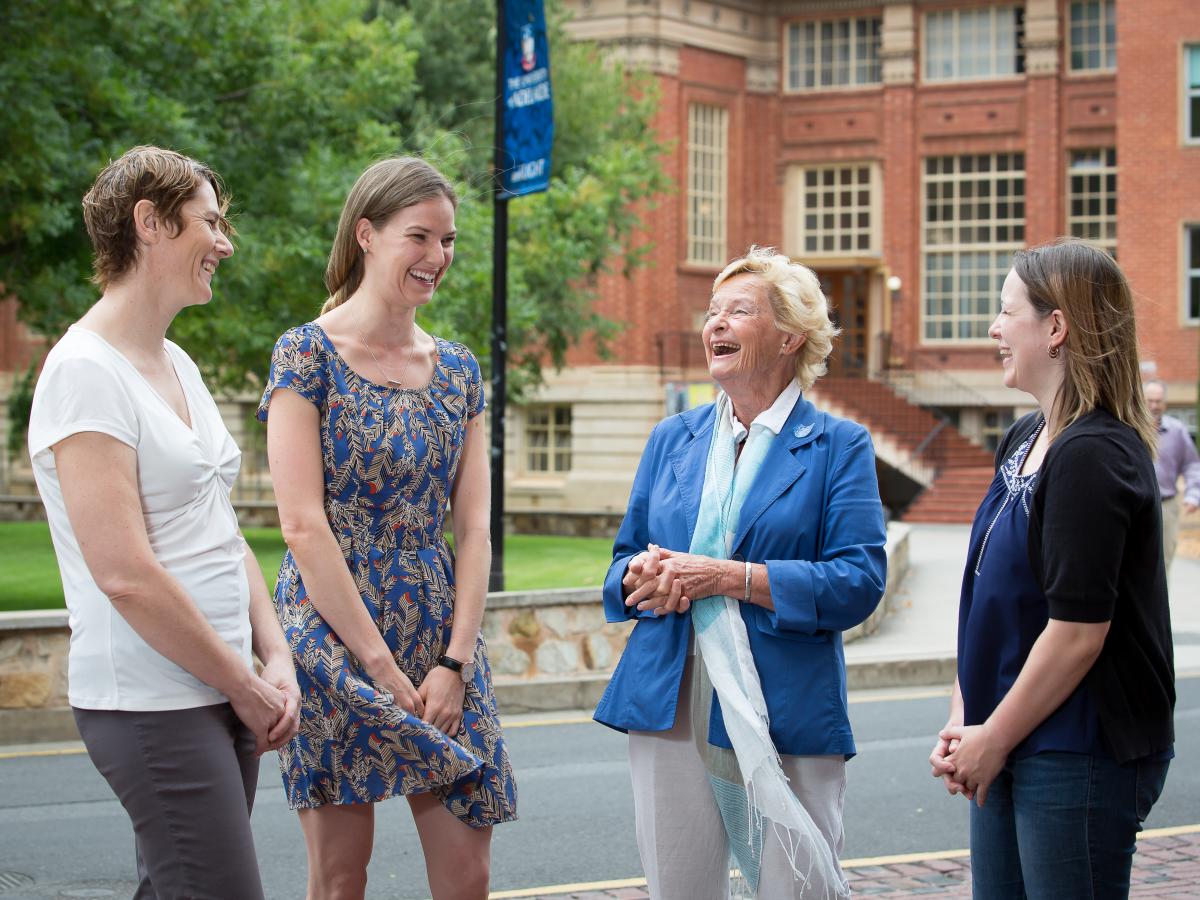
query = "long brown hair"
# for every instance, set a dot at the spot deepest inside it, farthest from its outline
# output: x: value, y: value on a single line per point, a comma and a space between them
x: 384, y: 189
x: 1087, y: 286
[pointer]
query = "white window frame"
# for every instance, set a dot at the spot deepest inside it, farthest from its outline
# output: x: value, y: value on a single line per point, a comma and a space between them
x: 557, y: 451
x: 1106, y: 45
x: 968, y: 270
x: 707, y: 184
x: 819, y: 41
x: 1191, y: 93
x: 1103, y: 190
x: 955, y: 22
x: 1191, y: 273
x: 824, y: 208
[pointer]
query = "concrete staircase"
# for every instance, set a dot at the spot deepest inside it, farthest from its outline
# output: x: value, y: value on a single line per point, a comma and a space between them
x: 954, y: 471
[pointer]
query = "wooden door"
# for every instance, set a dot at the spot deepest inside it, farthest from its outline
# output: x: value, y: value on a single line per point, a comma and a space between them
x: 846, y: 291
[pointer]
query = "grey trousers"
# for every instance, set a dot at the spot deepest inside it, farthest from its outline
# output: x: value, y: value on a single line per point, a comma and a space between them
x: 680, y: 837
x: 186, y: 778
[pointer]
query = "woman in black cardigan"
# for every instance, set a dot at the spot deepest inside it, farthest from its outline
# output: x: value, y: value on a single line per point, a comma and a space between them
x: 1061, y: 722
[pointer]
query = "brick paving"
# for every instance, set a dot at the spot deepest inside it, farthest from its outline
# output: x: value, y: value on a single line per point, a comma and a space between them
x: 1164, y: 867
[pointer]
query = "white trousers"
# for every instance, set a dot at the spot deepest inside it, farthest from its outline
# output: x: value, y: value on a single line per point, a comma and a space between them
x: 1170, y: 516
x: 680, y: 837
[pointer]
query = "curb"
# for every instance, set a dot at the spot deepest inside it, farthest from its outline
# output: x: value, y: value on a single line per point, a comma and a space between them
x: 537, y: 695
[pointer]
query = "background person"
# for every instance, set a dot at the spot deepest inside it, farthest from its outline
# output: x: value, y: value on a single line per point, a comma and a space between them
x: 166, y: 600
x: 1177, y: 458
x: 770, y: 509
x: 374, y: 429
x: 1061, y: 722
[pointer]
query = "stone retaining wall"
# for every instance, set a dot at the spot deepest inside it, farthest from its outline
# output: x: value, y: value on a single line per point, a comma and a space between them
x: 549, y: 650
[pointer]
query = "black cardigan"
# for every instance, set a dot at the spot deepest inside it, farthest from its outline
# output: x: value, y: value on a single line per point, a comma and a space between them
x: 1095, y: 545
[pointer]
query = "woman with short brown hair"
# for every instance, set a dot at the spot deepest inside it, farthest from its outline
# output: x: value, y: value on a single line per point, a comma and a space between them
x: 166, y: 600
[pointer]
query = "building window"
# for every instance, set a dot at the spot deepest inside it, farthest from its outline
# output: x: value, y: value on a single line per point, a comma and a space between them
x: 1192, y: 67
x: 1093, y: 35
x: 996, y: 423
x: 965, y: 44
x: 836, y: 54
x: 707, y: 195
x: 1092, y: 197
x: 548, y: 437
x: 1193, y: 274
x: 974, y: 218
x: 836, y: 204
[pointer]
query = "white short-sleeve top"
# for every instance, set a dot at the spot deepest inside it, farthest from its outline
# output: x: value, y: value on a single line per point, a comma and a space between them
x: 184, y: 477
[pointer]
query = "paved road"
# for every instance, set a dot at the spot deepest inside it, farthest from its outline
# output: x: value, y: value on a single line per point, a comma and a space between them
x: 60, y: 827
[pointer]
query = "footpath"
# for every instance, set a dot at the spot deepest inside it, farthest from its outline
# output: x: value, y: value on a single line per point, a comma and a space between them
x: 915, y: 644
x: 1166, y: 866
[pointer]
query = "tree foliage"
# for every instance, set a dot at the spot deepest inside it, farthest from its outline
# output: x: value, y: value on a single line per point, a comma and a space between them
x: 290, y: 100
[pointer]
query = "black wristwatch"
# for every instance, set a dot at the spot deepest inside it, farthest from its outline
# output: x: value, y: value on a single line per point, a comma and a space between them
x: 466, y: 670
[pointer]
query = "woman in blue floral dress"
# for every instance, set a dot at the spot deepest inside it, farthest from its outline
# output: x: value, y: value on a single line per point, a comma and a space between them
x: 374, y: 430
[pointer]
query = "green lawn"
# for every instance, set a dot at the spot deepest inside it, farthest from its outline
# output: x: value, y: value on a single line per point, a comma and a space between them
x: 29, y: 573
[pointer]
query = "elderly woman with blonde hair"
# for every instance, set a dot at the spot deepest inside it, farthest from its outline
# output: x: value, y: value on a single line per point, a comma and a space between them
x: 753, y: 537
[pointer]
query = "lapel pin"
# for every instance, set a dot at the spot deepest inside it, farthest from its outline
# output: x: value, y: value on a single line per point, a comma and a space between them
x: 802, y: 430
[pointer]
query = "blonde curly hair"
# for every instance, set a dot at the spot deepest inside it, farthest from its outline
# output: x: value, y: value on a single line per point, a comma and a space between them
x: 797, y: 302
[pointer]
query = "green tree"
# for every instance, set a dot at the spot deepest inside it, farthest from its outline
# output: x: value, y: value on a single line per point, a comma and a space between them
x: 290, y: 100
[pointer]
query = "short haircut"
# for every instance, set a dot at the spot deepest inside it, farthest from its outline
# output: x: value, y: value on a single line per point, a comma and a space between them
x: 165, y: 178
x: 798, y: 303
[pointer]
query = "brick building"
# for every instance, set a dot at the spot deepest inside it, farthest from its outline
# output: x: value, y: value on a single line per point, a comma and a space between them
x: 903, y: 150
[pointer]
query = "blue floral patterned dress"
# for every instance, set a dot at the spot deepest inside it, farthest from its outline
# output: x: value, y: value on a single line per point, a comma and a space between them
x: 390, y: 458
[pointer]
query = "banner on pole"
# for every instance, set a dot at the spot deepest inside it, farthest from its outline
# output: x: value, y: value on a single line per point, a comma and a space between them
x: 528, y: 107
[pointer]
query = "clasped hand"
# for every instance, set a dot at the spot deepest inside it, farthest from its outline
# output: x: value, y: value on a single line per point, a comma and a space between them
x: 269, y: 705
x: 667, y: 581
x: 967, y: 758
x: 439, y: 699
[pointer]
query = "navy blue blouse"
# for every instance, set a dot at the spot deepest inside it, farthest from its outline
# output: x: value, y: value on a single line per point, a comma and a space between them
x: 1002, y: 612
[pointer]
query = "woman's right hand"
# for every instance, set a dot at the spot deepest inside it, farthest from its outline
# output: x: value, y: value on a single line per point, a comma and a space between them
x: 941, y: 767
x: 396, y: 683
x: 647, y: 589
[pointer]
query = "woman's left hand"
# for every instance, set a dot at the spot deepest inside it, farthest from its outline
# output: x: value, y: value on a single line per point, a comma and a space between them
x: 443, y: 693
x: 685, y: 576
x: 978, y: 758
x: 280, y: 673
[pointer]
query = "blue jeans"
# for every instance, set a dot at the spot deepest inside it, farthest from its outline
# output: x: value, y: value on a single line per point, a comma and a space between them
x: 1058, y: 826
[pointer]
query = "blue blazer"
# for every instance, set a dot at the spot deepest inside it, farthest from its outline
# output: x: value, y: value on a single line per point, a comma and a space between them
x: 814, y: 517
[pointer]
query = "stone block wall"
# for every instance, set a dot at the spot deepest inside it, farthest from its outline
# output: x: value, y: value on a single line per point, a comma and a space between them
x: 549, y: 650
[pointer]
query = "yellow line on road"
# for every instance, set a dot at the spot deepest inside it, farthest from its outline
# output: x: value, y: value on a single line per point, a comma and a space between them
x: 57, y: 751
x: 567, y: 888
x: 879, y: 695
x: 561, y: 720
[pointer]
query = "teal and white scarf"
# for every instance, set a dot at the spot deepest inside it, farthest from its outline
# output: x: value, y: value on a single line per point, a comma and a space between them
x: 748, y: 782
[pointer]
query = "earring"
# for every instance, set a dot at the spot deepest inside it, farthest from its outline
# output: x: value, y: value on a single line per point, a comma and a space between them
x: 1052, y: 352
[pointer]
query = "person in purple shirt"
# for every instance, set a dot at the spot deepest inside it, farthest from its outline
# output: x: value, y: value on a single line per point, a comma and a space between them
x: 1176, y: 457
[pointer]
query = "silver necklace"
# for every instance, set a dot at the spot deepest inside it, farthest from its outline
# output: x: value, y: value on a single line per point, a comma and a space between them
x: 412, y: 351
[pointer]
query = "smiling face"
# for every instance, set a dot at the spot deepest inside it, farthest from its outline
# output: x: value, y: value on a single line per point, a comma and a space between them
x: 741, y: 340
x: 1024, y: 338
x: 407, y: 258
x: 193, y: 254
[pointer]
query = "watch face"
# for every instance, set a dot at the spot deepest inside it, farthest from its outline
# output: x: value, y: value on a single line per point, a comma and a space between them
x: 468, y: 672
